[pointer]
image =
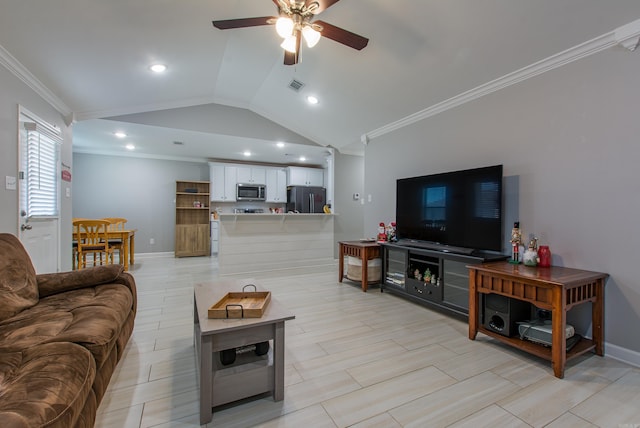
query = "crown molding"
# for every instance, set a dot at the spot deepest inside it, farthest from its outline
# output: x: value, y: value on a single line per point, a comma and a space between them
x: 627, y: 36
x: 144, y: 108
x: 86, y: 151
x: 21, y: 72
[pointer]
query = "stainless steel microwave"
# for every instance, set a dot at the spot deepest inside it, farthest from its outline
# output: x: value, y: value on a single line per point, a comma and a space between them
x: 251, y: 192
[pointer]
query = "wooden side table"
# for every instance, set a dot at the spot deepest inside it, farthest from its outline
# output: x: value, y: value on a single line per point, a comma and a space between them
x: 221, y: 385
x: 555, y: 288
x: 365, y: 251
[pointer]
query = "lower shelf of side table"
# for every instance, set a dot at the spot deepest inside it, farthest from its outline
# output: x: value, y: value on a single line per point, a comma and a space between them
x: 583, y: 346
x: 249, y: 375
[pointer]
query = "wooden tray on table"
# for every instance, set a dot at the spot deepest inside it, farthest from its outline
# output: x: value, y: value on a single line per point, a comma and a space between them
x: 244, y: 304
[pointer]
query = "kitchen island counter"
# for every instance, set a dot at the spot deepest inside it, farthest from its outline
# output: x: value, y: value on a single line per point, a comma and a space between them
x: 251, y: 242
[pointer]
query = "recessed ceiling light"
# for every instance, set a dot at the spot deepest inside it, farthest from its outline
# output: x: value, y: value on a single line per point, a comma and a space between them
x: 280, y: 144
x: 120, y: 134
x: 302, y: 159
x: 312, y: 100
x: 130, y: 147
x: 247, y: 153
x: 158, y: 68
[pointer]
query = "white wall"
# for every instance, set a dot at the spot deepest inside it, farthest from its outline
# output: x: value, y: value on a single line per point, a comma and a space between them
x: 349, y: 179
x: 570, y: 138
x: 138, y: 189
x: 218, y: 119
x: 13, y: 93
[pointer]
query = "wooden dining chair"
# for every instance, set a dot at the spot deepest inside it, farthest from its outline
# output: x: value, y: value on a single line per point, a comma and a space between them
x: 74, y: 243
x: 117, y: 223
x: 92, y: 238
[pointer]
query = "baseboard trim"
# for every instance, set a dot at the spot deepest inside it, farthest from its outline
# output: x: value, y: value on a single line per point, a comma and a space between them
x: 154, y: 255
x: 622, y: 354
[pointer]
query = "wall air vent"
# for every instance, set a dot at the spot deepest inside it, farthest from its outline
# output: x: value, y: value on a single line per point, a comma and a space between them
x: 179, y: 143
x: 296, y: 85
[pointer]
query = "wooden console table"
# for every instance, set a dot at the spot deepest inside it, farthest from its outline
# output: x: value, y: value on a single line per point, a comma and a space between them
x: 365, y: 251
x: 557, y: 289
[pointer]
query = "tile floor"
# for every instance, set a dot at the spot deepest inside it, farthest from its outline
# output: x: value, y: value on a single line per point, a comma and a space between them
x: 355, y: 359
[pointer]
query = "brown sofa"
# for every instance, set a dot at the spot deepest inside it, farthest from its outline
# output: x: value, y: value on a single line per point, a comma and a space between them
x: 61, y: 336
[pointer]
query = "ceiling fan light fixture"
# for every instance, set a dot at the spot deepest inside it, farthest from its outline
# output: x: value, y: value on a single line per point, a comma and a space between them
x: 289, y: 44
x: 311, y: 36
x: 284, y: 26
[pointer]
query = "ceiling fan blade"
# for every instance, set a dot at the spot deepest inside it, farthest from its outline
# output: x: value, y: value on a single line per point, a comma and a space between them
x: 323, y: 4
x: 227, y: 24
x: 291, y: 58
x: 342, y: 36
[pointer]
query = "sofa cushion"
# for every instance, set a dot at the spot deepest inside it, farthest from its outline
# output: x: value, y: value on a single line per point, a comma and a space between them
x: 45, y: 385
x: 18, y: 287
x: 52, y: 283
x: 91, y: 317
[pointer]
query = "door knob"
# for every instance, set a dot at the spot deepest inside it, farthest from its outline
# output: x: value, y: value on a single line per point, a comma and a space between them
x: 25, y: 227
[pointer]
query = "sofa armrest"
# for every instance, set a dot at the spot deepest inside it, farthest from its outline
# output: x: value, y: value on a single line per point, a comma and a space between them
x: 52, y: 283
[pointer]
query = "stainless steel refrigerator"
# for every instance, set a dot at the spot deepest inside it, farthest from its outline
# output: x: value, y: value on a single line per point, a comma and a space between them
x: 306, y: 199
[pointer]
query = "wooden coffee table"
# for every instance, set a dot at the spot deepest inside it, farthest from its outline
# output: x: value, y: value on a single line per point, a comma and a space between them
x: 221, y: 384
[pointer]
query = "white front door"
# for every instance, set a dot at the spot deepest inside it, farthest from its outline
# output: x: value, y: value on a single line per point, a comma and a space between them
x: 39, y: 165
x: 40, y: 239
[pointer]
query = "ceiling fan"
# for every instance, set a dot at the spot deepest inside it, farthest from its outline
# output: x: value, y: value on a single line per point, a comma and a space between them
x: 294, y: 22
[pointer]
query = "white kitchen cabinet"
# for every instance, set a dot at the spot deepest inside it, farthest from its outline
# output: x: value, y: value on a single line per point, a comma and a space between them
x: 276, y: 185
x: 299, y: 176
x: 223, y: 182
x: 251, y: 175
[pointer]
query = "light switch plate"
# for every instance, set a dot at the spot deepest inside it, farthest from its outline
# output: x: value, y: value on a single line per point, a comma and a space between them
x: 10, y: 182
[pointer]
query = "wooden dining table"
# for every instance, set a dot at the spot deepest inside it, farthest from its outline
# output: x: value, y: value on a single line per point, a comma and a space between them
x: 128, y: 238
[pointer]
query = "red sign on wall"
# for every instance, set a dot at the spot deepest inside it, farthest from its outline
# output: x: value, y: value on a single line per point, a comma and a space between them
x: 66, y: 175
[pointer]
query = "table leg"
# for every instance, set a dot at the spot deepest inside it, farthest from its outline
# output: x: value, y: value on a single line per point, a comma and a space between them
x: 597, y: 318
x: 558, y: 334
x: 341, y: 263
x: 132, y: 249
x: 473, y: 306
x: 365, y: 268
x: 125, y: 252
x: 204, y: 365
x: 206, y: 374
x: 278, y: 361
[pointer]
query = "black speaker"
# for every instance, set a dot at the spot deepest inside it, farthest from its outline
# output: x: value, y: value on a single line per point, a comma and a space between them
x: 500, y: 313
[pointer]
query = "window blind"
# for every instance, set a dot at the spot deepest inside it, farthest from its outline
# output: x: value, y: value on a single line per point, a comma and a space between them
x: 41, y: 170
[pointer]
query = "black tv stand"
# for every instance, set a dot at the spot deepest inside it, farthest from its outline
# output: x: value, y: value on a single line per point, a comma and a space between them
x: 404, y: 264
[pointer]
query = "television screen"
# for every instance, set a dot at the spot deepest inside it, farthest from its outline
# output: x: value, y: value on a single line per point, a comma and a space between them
x: 457, y: 209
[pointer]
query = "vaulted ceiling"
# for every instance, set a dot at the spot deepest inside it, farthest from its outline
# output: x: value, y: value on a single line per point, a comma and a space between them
x: 92, y: 56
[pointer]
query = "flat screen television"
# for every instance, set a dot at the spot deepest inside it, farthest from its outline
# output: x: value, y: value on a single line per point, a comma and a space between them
x: 453, y: 211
